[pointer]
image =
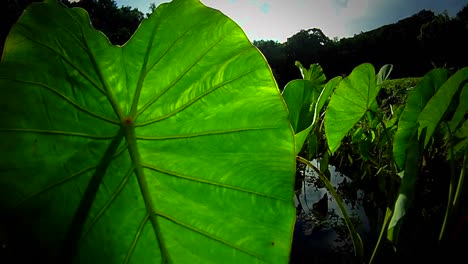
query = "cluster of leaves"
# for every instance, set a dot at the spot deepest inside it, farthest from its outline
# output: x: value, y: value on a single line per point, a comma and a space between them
x: 390, y: 148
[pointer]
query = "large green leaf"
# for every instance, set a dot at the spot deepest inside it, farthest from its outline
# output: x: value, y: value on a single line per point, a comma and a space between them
x: 415, y: 103
x: 436, y: 107
x: 353, y: 97
x: 175, y: 147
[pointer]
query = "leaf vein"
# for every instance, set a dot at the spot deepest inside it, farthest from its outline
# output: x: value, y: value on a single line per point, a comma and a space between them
x: 195, y: 99
x: 208, y: 235
x: 227, y: 186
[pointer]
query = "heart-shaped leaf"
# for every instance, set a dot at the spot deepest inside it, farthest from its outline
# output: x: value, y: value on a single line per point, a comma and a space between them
x: 174, y: 148
x: 353, y: 97
x: 300, y: 97
x: 384, y: 73
x: 314, y: 73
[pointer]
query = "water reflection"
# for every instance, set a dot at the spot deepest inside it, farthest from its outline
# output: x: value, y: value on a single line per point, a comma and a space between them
x: 320, y: 234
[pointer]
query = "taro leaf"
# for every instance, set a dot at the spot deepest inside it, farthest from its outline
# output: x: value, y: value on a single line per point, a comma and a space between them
x: 353, y: 97
x: 462, y: 132
x: 300, y: 97
x: 407, y: 185
x: 436, y: 107
x: 314, y: 73
x: 175, y: 147
x: 384, y: 73
x: 415, y: 103
x: 462, y: 109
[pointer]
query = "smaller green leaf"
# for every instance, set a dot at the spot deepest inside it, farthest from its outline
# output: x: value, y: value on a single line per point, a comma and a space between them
x: 352, y: 99
x: 357, y: 135
x: 314, y: 73
x: 461, y: 110
x: 460, y: 147
x: 462, y: 132
x: 299, y: 95
x: 396, y: 113
x: 384, y: 73
x: 417, y: 100
x: 435, y: 109
x: 407, y: 186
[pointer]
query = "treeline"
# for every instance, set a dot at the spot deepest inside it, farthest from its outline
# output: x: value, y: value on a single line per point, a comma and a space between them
x: 118, y: 23
x: 413, y: 45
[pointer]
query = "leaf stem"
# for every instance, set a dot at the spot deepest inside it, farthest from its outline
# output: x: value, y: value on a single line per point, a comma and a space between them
x: 357, y: 241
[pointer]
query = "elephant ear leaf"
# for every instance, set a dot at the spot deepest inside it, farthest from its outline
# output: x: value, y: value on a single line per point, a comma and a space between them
x: 173, y: 148
x: 384, y: 73
x: 300, y: 97
x: 353, y: 97
x: 314, y: 73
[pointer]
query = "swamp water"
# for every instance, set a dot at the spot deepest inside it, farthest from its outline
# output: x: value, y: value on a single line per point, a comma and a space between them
x: 320, y: 234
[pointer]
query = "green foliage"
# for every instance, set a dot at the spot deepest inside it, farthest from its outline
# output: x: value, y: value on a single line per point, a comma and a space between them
x: 407, y: 185
x: 314, y: 73
x: 437, y: 106
x: 354, y: 96
x: 416, y: 102
x: 174, y: 148
x: 302, y: 97
x: 352, y: 116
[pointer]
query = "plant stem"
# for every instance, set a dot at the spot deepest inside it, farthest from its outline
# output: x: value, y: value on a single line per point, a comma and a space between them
x: 448, y: 210
x: 388, y: 216
x: 453, y: 199
x: 357, y: 241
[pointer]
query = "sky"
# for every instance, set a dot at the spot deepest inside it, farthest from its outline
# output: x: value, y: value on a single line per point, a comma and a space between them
x: 279, y: 19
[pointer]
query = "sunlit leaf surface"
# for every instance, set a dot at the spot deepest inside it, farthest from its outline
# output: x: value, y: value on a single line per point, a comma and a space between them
x: 353, y: 97
x: 416, y: 102
x: 175, y: 147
